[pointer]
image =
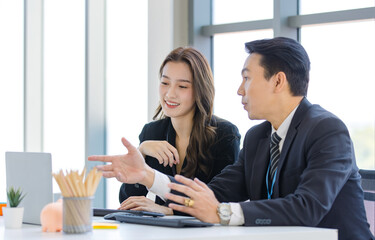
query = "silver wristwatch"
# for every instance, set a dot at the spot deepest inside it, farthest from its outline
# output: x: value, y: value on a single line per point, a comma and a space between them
x: 224, y: 211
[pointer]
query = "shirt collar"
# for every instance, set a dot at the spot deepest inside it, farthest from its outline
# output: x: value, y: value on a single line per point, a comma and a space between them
x: 283, y: 129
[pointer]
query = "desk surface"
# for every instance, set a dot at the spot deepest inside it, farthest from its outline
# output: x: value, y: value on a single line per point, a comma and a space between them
x: 136, y: 232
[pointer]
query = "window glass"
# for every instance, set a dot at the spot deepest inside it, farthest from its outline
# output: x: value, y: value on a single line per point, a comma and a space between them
x: 11, y: 83
x: 64, y: 84
x: 316, y: 6
x: 229, y: 57
x: 225, y: 11
x: 126, y: 71
x: 342, y: 78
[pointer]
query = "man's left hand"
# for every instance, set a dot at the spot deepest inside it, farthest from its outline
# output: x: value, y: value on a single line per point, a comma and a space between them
x: 205, y: 204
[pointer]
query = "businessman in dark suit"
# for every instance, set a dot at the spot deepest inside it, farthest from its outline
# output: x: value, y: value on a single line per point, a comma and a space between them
x: 295, y: 169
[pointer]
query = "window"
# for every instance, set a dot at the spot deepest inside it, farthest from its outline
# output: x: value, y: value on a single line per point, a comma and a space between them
x: 64, y: 84
x: 126, y: 79
x: 342, y: 81
x: 225, y: 11
x: 11, y: 82
x: 229, y: 57
x: 341, y: 53
x: 319, y: 6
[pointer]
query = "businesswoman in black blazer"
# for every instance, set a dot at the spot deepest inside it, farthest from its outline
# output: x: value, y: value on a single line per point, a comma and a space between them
x: 185, y: 138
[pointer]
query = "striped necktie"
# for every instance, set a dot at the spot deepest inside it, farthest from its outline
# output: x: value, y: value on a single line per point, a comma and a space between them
x: 275, y: 154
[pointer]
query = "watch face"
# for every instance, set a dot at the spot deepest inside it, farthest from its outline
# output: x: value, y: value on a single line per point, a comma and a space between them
x: 225, y: 213
x: 225, y: 210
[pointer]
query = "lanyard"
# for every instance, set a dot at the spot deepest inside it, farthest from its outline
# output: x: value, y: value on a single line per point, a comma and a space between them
x: 270, y: 191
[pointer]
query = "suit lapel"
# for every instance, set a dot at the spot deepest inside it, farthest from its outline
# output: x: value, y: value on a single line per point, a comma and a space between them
x: 290, y: 136
x: 287, y: 143
x: 259, y: 168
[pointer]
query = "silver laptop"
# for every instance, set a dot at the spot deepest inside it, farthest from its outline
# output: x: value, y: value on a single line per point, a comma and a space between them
x: 32, y: 172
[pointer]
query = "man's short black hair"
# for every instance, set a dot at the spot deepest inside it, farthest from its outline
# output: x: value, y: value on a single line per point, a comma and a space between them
x: 286, y: 55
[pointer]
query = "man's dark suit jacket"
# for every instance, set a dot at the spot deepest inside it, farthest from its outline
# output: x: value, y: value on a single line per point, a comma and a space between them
x: 317, y: 183
x: 224, y: 151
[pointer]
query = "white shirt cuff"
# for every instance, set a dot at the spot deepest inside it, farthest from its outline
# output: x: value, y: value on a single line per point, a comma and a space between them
x: 160, y: 185
x: 237, y: 217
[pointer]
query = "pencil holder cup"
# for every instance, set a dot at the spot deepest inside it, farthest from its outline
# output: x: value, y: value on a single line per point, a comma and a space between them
x: 77, y: 214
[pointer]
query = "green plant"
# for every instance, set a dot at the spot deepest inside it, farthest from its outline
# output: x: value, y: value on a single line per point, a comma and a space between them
x: 15, y: 196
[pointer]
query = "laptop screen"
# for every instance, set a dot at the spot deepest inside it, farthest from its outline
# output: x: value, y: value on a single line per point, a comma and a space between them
x: 32, y: 172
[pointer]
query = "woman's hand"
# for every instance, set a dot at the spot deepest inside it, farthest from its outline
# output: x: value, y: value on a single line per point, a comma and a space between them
x: 163, y: 151
x: 141, y: 203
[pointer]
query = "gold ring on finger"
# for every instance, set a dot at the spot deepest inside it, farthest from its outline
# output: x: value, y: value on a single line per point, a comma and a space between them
x: 189, y: 202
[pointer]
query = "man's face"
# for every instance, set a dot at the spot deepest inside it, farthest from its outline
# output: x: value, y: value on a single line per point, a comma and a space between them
x: 255, y: 89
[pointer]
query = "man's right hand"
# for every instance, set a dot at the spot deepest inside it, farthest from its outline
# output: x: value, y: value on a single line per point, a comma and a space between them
x: 127, y: 168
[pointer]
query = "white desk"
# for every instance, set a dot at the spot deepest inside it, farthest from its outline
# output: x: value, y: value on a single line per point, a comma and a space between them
x: 136, y: 232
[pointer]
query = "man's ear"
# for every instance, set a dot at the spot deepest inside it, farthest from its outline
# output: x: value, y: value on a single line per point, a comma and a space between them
x: 280, y: 81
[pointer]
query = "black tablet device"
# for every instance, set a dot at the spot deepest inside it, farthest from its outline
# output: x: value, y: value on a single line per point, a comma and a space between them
x: 162, y: 221
x: 101, y: 212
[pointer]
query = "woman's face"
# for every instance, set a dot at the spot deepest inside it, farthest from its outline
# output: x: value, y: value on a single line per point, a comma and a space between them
x: 176, y: 90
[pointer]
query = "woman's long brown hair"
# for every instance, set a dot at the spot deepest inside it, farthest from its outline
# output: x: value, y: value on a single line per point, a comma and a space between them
x: 203, y: 134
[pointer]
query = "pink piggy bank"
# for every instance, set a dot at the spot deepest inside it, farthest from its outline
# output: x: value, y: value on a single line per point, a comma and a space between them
x: 51, y: 217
